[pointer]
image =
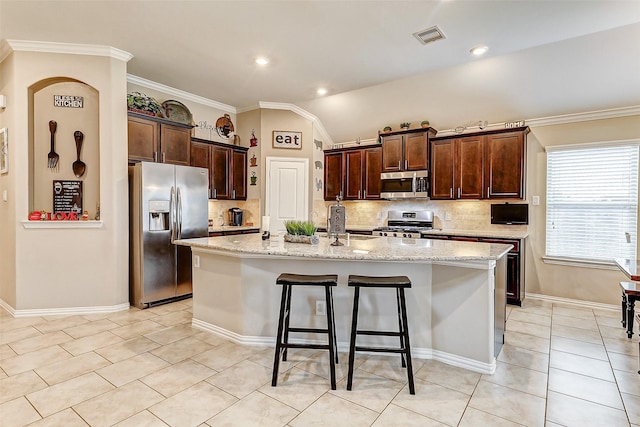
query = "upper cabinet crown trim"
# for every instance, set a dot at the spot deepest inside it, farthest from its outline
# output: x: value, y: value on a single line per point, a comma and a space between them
x: 524, y: 129
x: 67, y: 48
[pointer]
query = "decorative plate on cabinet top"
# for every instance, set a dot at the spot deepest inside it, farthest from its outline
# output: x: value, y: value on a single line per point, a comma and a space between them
x: 177, y: 112
x: 143, y: 104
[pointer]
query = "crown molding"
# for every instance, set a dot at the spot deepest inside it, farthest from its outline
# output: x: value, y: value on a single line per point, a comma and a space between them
x: 65, y: 48
x: 180, y: 93
x: 612, y: 113
x: 584, y: 117
x: 303, y: 113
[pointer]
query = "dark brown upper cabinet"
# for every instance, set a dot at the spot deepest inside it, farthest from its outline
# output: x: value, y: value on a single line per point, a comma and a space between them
x: 227, y: 168
x: 489, y: 165
x: 406, y: 150
x: 353, y: 173
x: 152, y: 139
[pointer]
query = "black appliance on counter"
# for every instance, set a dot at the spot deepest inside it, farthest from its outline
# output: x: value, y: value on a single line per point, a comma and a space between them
x: 235, y: 216
x: 406, y: 224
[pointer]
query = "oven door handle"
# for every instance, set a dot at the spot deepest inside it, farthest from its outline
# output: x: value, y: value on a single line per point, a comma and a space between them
x: 414, y: 182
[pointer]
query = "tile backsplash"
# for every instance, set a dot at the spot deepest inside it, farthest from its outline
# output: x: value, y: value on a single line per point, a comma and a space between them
x: 448, y: 215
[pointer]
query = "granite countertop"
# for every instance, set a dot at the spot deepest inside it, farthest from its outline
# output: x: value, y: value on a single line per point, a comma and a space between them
x: 356, y: 248
x: 221, y: 228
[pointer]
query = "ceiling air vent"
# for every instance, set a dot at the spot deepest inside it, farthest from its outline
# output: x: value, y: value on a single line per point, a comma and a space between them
x: 429, y: 35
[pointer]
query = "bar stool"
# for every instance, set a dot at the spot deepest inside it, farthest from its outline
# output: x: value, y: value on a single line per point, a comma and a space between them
x: 288, y: 281
x: 399, y: 283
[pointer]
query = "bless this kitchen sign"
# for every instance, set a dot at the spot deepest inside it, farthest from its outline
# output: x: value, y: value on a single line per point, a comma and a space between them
x: 68, y: 101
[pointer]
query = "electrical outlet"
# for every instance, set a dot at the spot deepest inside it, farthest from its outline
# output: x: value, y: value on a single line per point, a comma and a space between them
x: 535, y: 200
x: 321, y: 308
x: 196, y: 261
x: 447, y: 216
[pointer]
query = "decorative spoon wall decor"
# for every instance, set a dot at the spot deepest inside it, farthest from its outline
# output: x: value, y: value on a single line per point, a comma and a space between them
x: 78, y: 166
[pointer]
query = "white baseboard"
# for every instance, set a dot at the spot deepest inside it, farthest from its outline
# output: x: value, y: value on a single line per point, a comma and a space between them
x: 66, y: 311
x: 418, y: 353
x: 576, y: 302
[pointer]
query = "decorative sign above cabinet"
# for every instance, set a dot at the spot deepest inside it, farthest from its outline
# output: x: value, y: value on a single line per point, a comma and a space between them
x: 516, y: 124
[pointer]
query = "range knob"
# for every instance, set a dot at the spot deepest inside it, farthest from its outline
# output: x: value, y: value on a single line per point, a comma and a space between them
x: 404, y: 235
x: 384, y: 234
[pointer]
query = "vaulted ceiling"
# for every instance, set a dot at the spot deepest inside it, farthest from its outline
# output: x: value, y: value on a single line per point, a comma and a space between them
x: 545, y: 58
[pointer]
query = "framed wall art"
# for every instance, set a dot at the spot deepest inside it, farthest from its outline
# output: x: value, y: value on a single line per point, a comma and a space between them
x: 4, y: 151
x: 287, y: 139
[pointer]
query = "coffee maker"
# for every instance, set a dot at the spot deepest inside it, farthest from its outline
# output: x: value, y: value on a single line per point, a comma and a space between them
x: 235, y: 216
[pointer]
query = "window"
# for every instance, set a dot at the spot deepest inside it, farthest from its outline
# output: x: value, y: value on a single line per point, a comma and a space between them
x: 592, y: 201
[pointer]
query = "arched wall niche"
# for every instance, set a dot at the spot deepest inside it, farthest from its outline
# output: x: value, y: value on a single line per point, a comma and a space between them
x: 42, y: 110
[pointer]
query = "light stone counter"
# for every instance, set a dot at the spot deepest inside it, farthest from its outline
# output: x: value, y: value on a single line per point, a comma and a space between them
x: 356, y: 248
x: 456, y: 304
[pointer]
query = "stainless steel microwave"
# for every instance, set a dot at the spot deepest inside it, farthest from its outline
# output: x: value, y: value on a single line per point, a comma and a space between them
x: 405, y: 185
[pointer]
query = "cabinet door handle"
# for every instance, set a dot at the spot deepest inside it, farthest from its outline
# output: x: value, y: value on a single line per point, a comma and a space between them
x: 365, y: 194
x: 451, y: 193
x: 488, y: 191
x: 233, y: 194
x: 155, y: 156
x: 215, y: 193
x: 399, y: 164
x: 458, y: 192
x: 406, y: 164
x: 163, y: 156
x: 358, y: 194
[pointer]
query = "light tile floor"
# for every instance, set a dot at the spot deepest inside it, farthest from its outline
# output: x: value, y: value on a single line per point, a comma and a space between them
x: 561, y: 365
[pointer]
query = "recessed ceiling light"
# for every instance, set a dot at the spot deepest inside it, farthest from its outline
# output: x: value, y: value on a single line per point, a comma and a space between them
x: 479, y: 50
x: 262, y: 60
x: 322, y: 91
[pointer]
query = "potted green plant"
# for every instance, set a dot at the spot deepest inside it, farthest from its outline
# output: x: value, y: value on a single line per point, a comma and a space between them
x: 301, y: 232
x: 387, y: 129
x: 424, y: 123
x: 405, y: 125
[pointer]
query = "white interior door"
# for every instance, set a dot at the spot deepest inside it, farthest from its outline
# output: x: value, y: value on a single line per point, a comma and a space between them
x: 287, y: 190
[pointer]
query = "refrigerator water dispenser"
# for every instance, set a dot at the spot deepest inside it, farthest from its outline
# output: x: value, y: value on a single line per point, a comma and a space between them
x: 158, y: 215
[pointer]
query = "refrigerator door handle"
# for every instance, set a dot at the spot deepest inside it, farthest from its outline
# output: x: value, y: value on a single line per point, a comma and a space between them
x: 172, y: 213
x: 179, y: 214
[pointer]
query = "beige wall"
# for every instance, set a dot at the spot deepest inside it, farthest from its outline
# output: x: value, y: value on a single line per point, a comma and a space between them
x: 8, y: 183
x: 285, y: 120
x: 71, y: 267
x: 68, y: 121
x: 589, y: 284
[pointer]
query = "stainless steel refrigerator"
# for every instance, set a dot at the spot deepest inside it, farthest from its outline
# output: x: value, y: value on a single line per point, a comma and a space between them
x: 166, y: 202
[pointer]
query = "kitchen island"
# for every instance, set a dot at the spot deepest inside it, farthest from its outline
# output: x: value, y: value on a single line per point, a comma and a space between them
x: 456, y: 304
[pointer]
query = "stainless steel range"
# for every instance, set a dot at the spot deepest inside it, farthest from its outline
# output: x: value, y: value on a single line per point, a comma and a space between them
x: 406, y: 224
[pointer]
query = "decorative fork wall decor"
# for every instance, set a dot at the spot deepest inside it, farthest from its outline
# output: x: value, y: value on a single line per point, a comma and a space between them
x: 53, y: 157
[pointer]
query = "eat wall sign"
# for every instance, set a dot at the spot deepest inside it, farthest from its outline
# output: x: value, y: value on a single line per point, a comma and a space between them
x: 287, y: 139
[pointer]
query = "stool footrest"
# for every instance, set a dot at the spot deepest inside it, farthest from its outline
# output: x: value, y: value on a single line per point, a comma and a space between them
x: 380, y: 333
x: 381, y: 349
x: 315, y: 330
x: 311, y: 346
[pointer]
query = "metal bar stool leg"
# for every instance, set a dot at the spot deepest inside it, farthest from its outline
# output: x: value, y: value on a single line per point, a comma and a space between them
x: 287, y: 318
x: 333, y: 322
x: 352, y: 341
x: 276, y: 358
x: 400, y: 328
x: 405, y: 332
x: 331, y: 336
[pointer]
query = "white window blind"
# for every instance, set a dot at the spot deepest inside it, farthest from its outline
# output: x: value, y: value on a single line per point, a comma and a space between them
x: 592, y: 202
